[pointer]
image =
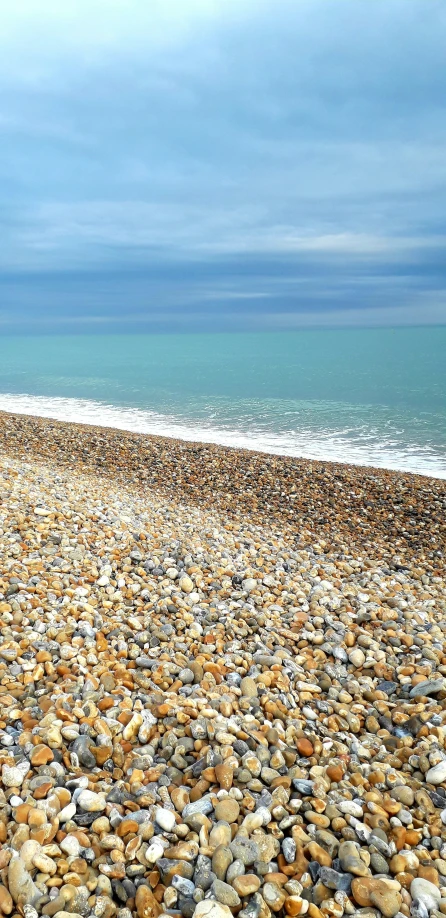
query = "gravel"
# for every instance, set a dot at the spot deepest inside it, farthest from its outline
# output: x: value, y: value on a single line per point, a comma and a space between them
x: 216, y: 705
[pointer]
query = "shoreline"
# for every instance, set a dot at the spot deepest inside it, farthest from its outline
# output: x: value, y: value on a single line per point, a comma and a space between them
x: 328, y: 447
x: 378, y: 509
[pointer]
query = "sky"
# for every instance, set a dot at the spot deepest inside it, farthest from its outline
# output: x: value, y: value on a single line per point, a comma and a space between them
x: 221, y: 164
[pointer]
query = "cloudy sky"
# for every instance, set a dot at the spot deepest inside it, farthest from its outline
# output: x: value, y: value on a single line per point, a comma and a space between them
x: 233, y: 164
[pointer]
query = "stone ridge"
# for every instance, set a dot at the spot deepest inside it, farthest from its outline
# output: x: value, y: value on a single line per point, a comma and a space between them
x: 372, y: 509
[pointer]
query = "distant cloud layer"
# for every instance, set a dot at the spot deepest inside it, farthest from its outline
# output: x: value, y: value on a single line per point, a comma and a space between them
x: 222, y: 164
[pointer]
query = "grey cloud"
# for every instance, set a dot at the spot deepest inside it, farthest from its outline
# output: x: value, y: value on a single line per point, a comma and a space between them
x: 172, y: 162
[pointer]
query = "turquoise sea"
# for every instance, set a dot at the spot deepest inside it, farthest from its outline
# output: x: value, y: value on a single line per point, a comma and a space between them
x: 368, y: 396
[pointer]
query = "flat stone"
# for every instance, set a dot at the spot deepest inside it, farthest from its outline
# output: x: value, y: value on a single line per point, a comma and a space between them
x: 374, y: 891
x: 357, y: 658
x: 220, y: 834
x: 6, y: 902
x: 428, y: 687
x: 335, y: 880
x: 274, y: 896
x: 235, y: 870
x: 202, y: 806
x: 389, y: 688
x: 268, y: 846
x: 304, y: 787
x: 70, y: 845
x: 263, y: 659
x: 304, y: 747
x: 41, y: 755
x: 186, y: 584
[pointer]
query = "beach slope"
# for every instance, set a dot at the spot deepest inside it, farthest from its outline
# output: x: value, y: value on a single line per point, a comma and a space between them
x: 222, y: 681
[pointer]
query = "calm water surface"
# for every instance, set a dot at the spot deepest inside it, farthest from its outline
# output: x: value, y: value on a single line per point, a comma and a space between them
x: 373, y: 397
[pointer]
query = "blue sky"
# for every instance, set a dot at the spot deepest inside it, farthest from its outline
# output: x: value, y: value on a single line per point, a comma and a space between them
x: 185, y: 164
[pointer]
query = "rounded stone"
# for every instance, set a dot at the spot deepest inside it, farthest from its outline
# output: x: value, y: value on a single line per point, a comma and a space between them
x: 246, y: 885
x: 426, y: 892
x: 437, y: 774
x: 221, y: 859
x: 244, y: 850
x: 304, y: 747
x: 91, y: 802
x: 357, y: 658
x: 225, y: 894
x: 186, y: 584
x: 248, y: 687
x: 227, y: 810
x: 165, y: 819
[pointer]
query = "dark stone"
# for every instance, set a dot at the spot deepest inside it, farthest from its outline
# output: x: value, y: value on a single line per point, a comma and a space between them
x: 81, y: 746
x: 314, y: 869
x: 115, y: 795
x: 304, y: 787
x: 335, y: 880
x: 84, y: 819
x: 187, y: 906
x: 120, y: 891
x: 438, y: 798
x: 388, y: 687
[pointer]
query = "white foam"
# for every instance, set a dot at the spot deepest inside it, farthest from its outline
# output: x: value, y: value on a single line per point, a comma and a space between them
x: 364, y: 448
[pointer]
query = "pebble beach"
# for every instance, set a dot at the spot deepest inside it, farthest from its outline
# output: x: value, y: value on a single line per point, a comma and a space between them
x: 222, y: 681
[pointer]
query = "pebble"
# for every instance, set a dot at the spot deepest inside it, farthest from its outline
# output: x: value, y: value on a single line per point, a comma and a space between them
x: 91, y: 802
x: 248, y: 687
x: 357, y: 658
x: 437, y: 774
x: 244, y: 850
x: 225, y: 893
x: 20, y: 883
x: 210, y: 909
x: 246, y: 885
x: 15, y: 775
x: 382, y: 893
x: 428, y: 687
x: 165, y: 819
x: 227, y: 809
x: 425, y: 892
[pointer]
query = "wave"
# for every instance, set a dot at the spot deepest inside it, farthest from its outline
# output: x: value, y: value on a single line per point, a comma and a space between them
x: 363, y: 444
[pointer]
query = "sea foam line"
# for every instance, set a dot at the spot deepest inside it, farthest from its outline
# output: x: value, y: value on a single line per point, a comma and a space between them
x: 303, y: 443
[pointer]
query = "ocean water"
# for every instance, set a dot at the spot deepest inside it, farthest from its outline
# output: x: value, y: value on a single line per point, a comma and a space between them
x: 369, y: 396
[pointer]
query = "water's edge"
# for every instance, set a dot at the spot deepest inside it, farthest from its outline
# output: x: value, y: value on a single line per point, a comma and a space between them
x: 304, y: 443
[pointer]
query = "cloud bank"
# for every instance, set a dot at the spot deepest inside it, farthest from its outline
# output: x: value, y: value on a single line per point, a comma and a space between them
x: 222, y: 164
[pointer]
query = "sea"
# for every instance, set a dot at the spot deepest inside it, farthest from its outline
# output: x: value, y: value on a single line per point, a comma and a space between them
x: 363, y: 396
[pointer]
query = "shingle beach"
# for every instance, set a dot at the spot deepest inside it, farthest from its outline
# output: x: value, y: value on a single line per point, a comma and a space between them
x: 222, y: 681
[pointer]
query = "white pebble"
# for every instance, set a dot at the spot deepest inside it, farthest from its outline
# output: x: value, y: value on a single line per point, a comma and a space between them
x: 165, y: 819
